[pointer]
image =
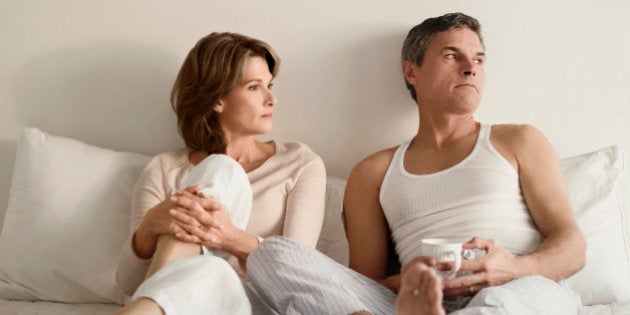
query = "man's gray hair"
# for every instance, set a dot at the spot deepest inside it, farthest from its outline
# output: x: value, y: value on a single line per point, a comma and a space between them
x: 419, y: 37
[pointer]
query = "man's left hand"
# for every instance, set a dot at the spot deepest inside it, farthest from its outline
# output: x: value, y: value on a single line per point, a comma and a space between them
x: 497, y: 267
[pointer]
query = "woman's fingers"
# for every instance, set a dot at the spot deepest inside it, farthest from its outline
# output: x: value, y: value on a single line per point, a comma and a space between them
x: 194, y: 189
x: 184, y: 216
x: 188, y: 238
x: 196, y: 201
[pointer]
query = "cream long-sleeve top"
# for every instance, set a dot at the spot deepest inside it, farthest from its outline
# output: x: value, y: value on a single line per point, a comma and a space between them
x: 288, y: 199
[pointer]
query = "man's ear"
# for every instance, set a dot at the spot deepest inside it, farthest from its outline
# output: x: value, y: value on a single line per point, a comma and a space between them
x: 408, y: 71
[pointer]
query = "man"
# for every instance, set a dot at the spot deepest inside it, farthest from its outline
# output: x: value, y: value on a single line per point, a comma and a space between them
x: 500, y: 185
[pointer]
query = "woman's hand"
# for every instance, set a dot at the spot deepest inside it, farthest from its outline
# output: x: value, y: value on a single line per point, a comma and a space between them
x: 157, y: 221
x: 497, y: 267
x: 205, y: 221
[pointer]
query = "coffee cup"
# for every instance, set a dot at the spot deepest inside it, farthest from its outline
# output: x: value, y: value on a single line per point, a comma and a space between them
x: 444, y: 251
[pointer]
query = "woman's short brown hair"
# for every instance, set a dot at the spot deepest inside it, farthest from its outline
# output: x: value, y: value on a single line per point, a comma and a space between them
x: 210, y: 71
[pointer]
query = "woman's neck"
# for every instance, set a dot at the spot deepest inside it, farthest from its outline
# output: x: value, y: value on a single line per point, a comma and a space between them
x: 248, y: 152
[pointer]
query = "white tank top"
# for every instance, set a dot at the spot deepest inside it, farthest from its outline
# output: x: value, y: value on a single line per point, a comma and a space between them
x: 480, y: 196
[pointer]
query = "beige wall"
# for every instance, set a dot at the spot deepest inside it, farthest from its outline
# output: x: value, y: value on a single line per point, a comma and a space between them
x: 101, y: 71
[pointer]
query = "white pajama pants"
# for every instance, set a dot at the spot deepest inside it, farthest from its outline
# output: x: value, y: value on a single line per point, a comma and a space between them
x: 201, y: 284
x: 295, y: 279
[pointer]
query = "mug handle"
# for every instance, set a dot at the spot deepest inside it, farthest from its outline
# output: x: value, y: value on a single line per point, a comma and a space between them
x: 448, y: 275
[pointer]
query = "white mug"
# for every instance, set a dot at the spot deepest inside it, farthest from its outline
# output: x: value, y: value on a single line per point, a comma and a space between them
x: 444, y: 250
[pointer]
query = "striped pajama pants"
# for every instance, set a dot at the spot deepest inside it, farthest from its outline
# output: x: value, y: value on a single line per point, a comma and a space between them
x: 295, y: 279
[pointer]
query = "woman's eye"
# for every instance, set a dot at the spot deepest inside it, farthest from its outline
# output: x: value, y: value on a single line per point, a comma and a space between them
x: 253, y: 87
x: 270, y: 86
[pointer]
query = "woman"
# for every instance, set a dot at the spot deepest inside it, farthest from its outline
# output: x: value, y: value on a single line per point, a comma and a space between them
x: 222, y: 98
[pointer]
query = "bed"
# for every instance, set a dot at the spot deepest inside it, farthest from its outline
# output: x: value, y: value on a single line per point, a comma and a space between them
x: 67, y: 214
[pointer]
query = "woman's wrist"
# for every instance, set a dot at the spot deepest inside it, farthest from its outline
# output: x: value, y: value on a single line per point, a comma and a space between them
x: 143, y: 243
x: 243, y: 245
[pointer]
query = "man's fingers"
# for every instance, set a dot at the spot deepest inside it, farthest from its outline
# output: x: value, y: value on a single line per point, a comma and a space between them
x: 480, y: 243
x: 475, y: 279
x: 474, y: 265
x: 463, y: 291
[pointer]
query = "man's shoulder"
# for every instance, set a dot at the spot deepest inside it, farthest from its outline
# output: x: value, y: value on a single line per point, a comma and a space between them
x: 513, y: 128
x: 515, y: 134
x: 375, y: 165
x: 380, y: 158
x: 517, y: 142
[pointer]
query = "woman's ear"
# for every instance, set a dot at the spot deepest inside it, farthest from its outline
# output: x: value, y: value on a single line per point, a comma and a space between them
x: 218, y: 107
x: 408, y: 71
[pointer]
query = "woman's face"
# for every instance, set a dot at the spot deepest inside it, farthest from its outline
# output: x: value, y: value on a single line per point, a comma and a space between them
x: 247, y: 109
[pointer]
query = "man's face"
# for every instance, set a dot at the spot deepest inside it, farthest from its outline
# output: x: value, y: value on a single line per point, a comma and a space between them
x: 452, y: 73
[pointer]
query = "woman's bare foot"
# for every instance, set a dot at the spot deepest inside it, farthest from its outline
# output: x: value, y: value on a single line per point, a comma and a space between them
x: 420, y: 292
x: 141, y: 306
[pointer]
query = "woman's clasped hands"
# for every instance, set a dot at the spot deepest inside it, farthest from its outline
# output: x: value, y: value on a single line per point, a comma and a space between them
x: 202, y: 219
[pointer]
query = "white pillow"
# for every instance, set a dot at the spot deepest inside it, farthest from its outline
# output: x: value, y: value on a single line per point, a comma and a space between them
x: 66, y: 221
x: 592, y: 180
x: 332, y: 240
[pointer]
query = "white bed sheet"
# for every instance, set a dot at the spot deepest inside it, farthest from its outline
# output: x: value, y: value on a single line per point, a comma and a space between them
x: 619, y: 308
x: 52, y: 308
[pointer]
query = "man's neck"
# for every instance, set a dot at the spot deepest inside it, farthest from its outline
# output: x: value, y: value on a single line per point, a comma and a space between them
x: 438, y: 133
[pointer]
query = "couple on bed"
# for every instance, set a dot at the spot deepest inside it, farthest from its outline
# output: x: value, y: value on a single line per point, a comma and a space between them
x: 229, y: 224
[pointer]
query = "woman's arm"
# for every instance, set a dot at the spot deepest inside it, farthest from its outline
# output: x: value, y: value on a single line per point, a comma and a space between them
x: 305, y: 207
x: 147, y: 193
x: 303, y: 213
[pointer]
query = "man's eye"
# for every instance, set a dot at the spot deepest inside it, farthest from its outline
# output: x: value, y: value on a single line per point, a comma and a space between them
x: 478, y: 61
x: 450, y: 56
x: 270, y: 86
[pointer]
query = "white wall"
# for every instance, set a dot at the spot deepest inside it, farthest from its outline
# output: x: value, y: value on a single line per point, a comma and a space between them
x: 101, y: 71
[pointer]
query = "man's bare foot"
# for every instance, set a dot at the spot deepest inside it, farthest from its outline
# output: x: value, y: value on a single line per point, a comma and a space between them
x: 420, y: 292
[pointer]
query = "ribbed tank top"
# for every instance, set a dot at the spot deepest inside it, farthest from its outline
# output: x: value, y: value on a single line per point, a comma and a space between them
x: 479, y: 196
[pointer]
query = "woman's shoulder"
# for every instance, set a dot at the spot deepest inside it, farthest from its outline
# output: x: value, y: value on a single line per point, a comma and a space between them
x: 296, y: 150
x: 169, y: 159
